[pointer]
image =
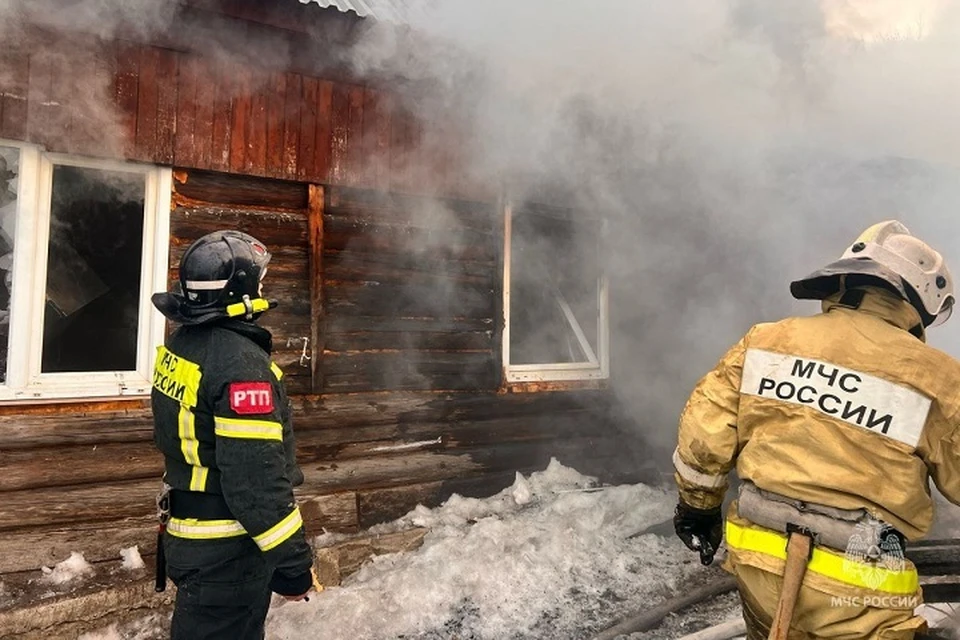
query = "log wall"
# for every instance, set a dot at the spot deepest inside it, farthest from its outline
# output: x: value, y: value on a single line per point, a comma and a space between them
x: 390, y: 318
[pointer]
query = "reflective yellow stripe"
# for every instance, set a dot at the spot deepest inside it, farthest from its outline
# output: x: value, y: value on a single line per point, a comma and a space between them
x: 825, y: 562
x: 279, y: 532
x: 250, y: 429
x: 204, y: 529
x: 190, y: 447
x: 277, y: 371
x: 176, y: 377
x: 198, y: 478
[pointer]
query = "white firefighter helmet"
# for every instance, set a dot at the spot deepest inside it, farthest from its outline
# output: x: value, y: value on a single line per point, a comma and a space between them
x: 888, y: 255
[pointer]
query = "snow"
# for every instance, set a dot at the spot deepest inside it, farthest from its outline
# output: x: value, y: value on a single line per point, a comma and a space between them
x: 549, y: 557
x: 67, y: 571
x: 131, y: 558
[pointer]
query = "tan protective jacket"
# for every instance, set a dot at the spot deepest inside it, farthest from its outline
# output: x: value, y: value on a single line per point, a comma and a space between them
x: 846, y: 409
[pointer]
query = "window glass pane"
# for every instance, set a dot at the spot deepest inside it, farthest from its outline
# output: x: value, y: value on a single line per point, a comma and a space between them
x: 93, y: 270
x: 9, y: 171
x: 554, y: 280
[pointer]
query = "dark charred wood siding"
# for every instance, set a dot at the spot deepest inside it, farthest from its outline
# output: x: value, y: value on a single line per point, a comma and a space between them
x: 276, y: 213
x: 84, y: 480
x: 409, y: 288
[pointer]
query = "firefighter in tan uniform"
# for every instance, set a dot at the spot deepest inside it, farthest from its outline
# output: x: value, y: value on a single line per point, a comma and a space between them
x: 233, y: 533
x: 835, y: 423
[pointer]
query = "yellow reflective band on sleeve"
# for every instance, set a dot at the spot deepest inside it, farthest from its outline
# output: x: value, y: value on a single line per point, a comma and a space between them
x: 825, y: 562
x: 277, y: 371
x: 693, y: 476
x: 176, y: 377
x: 249, y: 429
x: 190, y: 447
x: 204, y: 529
x: 280, y: 532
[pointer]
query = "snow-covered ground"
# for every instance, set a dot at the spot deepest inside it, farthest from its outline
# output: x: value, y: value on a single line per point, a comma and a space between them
x: 550, y: 557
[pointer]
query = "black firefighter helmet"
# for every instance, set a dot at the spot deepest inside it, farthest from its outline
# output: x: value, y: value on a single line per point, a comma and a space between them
x: 220, y: 277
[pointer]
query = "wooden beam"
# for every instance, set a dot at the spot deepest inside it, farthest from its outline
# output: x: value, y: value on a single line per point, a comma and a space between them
x: 317, y: 315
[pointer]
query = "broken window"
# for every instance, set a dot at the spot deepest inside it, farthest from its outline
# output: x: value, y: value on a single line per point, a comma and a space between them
x: 93, y: 270
x: 91, y: 242
x: 9, y: 171
x: 555, y: 298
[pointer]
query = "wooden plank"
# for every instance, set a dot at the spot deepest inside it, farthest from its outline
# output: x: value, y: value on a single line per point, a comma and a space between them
x: 464, y: 244
x: 76, y: 465
x: 168, y: 65
x: 362, y: 267
x: 240, y: 117
x: 275, y: 121
x: 331, y: 512
x: 306, y: 152
x: 13, y: 94
x: 227, y: 190
x: 28, y: 550
x: 340, y: 133
x: 147, y: 104
x: 376, y: 206
x: 284, y: 231
x: 291, y: 125
x: 205, y: 96
x: 324, y: 131
x: 222, y: 117
x: 58, y: 467
x: 376, y: 140
x: 381, y: 340
x: 317, y: 333
x: 371, y: 324
x: 426, y: 298
x: 43, y: 110
x: 255, y: 159
x: 185, y: 148
x: 100, y: 127
x: 355, y: 148
x: 408, y: 380
x: 46, y: 546
x: 424, y: 362
x: 85, y: 427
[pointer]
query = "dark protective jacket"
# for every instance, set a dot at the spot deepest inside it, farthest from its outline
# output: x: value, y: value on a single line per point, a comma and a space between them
x: 222, y: 422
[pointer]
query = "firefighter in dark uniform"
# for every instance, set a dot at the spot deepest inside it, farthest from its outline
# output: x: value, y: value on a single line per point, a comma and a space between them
x: 234, y: 534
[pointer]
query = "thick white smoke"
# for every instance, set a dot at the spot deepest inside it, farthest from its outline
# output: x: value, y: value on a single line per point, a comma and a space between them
x: 733, y: 145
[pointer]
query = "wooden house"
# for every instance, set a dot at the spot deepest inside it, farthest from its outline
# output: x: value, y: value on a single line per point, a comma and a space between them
x: 433, y: 334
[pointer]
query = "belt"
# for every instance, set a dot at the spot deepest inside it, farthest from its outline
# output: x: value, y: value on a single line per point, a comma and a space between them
x: 900, y: 579
x: 198, y: 505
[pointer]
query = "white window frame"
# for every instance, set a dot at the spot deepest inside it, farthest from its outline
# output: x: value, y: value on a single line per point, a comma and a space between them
x: 598, y: 365
x: 24, y: 381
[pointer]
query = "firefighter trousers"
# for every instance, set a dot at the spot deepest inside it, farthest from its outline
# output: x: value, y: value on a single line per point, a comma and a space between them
x: 223, y: 588
x: 817, y: 614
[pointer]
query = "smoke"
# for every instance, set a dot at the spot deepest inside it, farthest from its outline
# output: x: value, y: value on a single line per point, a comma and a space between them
x: 732, y: 146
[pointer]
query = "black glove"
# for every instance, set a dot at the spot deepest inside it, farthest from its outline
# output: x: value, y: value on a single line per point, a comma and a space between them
x: 287, y: 586
x: 701, y: 530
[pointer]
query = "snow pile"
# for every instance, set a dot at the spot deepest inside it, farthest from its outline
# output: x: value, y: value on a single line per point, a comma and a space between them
x: 131, y: 558
x: 154, y: 626
x: 549, y: 557
x: 73, y: 567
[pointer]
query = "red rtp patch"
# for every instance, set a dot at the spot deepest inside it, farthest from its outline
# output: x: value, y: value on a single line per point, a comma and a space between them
x: 251, y: 397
